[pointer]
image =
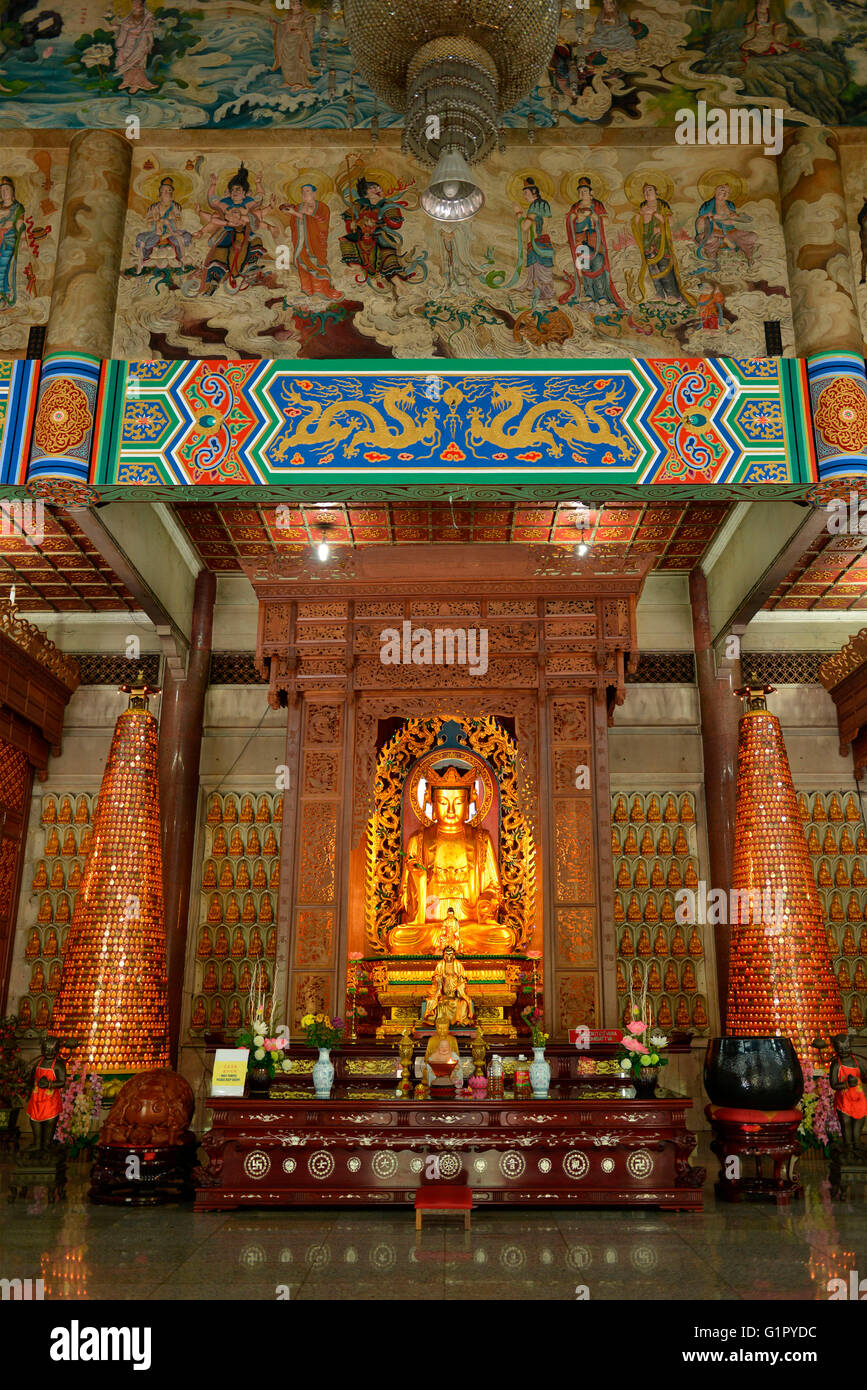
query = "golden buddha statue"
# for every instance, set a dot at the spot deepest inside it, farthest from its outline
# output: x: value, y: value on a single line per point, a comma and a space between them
x: 448, y: 996
x: 451, y: 867
x: 442, y: 1047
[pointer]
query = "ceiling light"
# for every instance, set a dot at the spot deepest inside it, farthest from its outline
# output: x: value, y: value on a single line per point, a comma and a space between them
x: 452, y: 194
x: 323, y: 550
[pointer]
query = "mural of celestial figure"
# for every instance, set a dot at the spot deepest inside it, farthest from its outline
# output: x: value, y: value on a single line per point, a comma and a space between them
x: 293, y: 45
x: 539, y: 274
x: 164, y: 217
x: 372, y: 239
x: 134, y: 39
x: 311, y: 219
x: 235, y: 249
x: 11, y: 231
x: 585, y: 229
x: 651, y: 228
x: 762, y: 34
x: 612, y: 32
x: 710, y: 302
x: 719, y: 227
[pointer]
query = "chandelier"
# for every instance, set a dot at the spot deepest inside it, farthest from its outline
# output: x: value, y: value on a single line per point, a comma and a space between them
x: 452, y: 67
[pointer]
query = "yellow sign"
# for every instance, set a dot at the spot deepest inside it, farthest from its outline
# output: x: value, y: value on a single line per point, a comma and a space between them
x: 230, y: 1071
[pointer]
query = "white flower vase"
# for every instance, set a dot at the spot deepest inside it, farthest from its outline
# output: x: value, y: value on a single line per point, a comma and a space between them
x: 540, y: 1074
x: 323, y: 1074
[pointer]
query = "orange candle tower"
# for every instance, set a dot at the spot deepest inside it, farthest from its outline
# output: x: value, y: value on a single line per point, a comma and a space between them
x: 112, y: 996
x: 781, y: 979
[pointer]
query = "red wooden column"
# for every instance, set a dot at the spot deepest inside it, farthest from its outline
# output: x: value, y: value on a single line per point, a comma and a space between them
x: 719, y: 712
x: 181, y: 712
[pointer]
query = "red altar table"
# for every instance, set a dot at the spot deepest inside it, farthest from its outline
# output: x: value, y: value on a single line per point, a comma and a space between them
x: 600, y: 1151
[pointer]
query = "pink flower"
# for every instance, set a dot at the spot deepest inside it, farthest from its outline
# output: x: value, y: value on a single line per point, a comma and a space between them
x: 633, y: 1045
x: 637, y: 1028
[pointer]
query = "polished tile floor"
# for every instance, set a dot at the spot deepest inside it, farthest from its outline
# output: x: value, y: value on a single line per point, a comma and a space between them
x: 743, y: 1252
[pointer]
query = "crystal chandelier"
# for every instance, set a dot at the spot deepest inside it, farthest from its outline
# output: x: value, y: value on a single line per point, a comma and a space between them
x: 451, y: 66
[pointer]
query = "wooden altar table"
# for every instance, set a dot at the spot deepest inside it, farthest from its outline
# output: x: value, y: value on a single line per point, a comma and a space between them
x: 601, y: 1151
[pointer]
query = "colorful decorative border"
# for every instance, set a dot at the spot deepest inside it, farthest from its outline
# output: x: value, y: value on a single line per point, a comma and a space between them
x: 227, y: 429
x: 683, y: 421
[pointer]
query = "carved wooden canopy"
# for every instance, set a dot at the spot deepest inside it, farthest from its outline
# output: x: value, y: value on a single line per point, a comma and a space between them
x: 844, y: 676
x: 36, y: 681
x: 553, y: 621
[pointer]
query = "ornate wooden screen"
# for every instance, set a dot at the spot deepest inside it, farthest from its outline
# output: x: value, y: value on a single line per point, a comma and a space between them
x: 561, y: 635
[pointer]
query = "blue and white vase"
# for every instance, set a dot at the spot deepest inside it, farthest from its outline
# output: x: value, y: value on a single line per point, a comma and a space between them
x: 323, y: 1074
x: 540, y: 1074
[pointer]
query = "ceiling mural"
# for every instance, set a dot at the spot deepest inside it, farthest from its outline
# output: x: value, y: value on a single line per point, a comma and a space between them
x: 322, y: 251
x: 246, y: 63
x: 31, y: 196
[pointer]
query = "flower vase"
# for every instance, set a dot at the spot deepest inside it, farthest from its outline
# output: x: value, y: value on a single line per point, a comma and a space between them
x: 540, y: 1074
x: 644, y: 1082
x: 323, y: 1074
x: 258, y: 1080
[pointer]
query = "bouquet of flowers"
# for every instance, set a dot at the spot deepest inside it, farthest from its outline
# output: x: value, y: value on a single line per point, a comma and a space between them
x: 13, y: 1072
x: 533, y: 1019
x: 635, y: 1054
x: 322, y: 1031
x: 638, y: 1047
x: 820, y: 1124
x: 268, y: 1042
x: 79, y: 1111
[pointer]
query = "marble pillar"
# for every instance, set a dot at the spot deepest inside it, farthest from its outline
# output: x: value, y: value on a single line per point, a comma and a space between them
x: 824, y: 303
x: 81, y: 318
x: 80, y: 325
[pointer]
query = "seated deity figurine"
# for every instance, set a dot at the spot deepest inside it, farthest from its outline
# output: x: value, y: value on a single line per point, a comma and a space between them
x: 448, y: 996
x: 442, y: 1050
x: 451, y: 865
x: 449, y: 934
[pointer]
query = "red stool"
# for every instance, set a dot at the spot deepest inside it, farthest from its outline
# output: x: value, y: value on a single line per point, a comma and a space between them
x: 756, y: 1134
x: 437, y: 1196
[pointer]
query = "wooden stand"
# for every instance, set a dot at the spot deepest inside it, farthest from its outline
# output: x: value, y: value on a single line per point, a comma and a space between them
x: 758, y: 1135
x: 40, y: 1168
x: 352, y: 1151
x: 164, y: 1174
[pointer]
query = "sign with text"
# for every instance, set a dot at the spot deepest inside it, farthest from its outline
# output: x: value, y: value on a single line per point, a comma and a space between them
x: 584, y: 1038
x: 230, y: 1071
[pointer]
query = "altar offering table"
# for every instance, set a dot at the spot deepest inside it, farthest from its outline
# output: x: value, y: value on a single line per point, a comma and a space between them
x: 603, y: 1151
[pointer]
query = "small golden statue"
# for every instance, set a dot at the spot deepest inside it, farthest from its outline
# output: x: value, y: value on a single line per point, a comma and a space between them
x: 442, y: 1054
x: 448, y: 996
x: 479, y: 1050
x: 405, y: 1049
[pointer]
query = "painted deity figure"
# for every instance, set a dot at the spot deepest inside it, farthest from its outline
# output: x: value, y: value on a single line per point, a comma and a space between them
x: 585, y: 229
x: 235, y: 249
x: 651, y: 228
x: 134, y: 38
x: 539, y: 274
x: 293, y: 45
x: 164, y: 229
x: 448, y: 997
x: 719, y: 226
x: 612, y: 31
x: 763, y: 36
x: 309, y: 227
x: 11, y: 231
x: 450, y: 864
x: 372, y: 239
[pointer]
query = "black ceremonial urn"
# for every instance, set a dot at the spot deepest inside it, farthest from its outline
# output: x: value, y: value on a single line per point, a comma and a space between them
x: 753, y: 1073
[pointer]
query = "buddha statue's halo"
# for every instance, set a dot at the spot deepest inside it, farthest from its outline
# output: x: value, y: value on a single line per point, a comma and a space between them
x: 477, y: 780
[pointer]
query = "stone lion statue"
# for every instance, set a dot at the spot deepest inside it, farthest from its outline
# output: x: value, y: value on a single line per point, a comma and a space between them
x: 154, y: 1107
